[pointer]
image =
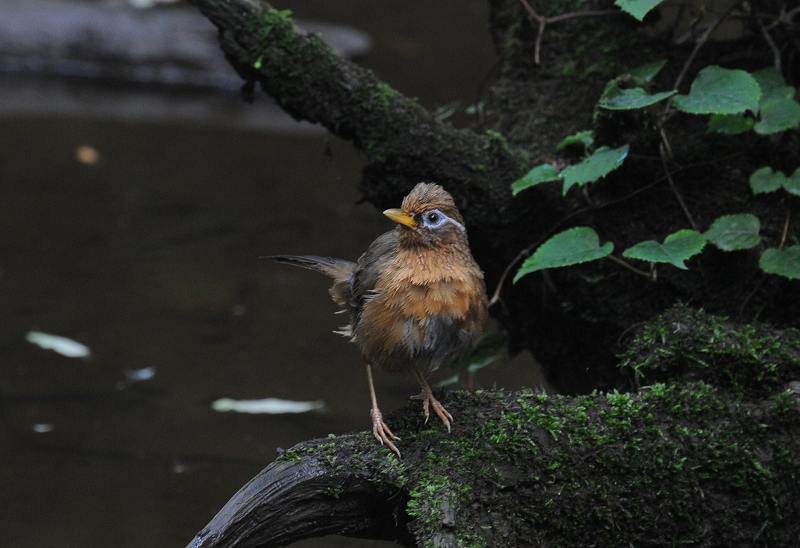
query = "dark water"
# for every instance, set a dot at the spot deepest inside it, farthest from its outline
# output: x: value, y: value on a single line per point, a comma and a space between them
x: 149, y: 257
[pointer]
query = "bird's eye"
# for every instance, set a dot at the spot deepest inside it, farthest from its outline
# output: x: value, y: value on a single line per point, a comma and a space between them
x: 433, y: 218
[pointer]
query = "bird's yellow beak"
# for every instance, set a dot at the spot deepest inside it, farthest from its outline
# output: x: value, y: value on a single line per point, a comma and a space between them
x: 398, y: 216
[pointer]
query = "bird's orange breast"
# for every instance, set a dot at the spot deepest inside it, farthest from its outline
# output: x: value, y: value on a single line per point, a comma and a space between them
x: 423, y: 304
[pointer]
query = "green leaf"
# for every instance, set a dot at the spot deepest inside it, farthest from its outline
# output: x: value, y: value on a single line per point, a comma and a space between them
x: 543, y: 173
x: 646, y: 73
x: 637, y: 8
x: 601, y: 163
x: 572, y: 246
x: 792, y: 184
x: 778, y: 115
x: 718, y: 90
x: 730, y: 124
x: 734, y: 232
x: 783, y: 262
x: 631, y: 98
x: 772, y: 85
x: 765, y: 180
x: 584, y: 138
x: 677, y: 248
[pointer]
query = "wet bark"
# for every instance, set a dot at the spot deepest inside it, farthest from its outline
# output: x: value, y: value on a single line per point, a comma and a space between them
x: 709, y: 456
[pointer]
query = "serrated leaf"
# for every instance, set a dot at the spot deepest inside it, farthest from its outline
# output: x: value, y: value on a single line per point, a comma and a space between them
x: 637, y: 8
x: 718, y: 90
x: 646, y: 73
x: 783, y: 262
x: 778, y: 115
x: 734, y: 232
x: 543, y: 173
x: 631, y: 98
x: 677, y: 248
x: 572, y: 246
x: 765, y: 180
x: 584, y: 138
x: 730, y: 124
x: 601, y: 163
x: 792, y: 184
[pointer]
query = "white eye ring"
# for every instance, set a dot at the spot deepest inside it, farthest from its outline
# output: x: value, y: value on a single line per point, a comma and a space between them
x: 434, y: 219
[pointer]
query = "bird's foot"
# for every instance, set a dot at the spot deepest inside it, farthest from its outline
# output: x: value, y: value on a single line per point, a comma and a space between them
x: 428, y: 402
x: 382, y: 432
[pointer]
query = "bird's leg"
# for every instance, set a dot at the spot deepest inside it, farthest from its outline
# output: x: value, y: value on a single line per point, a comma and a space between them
x: 379, y: 428
x: 429, y: 401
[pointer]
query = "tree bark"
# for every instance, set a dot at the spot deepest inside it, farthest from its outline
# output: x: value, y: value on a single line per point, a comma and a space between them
x: 708, y: 457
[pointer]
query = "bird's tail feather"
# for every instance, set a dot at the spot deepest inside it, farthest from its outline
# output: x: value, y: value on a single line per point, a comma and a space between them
x: 338, y: 269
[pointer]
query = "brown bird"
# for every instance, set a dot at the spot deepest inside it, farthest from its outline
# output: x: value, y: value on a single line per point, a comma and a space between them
x: 416, y: 298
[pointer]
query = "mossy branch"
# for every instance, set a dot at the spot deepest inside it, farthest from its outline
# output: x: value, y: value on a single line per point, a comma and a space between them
x: 312, y: 83
x: 673, y: 464
x: 688, y: 344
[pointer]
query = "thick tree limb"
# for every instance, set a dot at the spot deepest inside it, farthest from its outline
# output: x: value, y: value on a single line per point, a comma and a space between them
x: 292, y: 500
x: 311, y: 83
x: 682, y: 462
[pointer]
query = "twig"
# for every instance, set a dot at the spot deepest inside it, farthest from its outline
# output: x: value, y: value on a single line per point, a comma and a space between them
x: 630, y: 267
x: 785, y: 232
x: 521, y: 255
x: 776, y: 53
x: 587, y: 13
x: 662, y: 148
x: 700, y: 43
x: 542, y: 22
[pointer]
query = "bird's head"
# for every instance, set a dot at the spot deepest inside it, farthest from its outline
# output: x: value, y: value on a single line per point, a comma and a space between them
x: 429, y: 216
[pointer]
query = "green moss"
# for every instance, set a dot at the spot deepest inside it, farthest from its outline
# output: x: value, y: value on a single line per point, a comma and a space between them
x: 585, y: 466
x: 687, y: 343
x: 382, y: 96
x: 274, y: 19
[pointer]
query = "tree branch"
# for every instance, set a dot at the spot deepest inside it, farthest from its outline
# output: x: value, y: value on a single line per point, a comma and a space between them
x: 312, y: 83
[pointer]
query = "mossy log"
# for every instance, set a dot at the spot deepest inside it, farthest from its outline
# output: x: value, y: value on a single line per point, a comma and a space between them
x: 673, y: 464
x: 710, y: 457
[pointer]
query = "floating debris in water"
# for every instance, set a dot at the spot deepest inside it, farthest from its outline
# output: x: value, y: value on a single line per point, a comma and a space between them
x: 58, y: 344
x: 87, y: 155
x: 139, y: 375
x: 42, y: 428
x: 269, y: 406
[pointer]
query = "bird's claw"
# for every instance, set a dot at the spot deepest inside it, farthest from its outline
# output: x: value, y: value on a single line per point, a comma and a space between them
x: 382, y: 432
x: 428, y: 401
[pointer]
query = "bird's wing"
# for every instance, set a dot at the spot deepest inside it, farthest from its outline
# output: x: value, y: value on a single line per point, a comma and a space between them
x: 369, y: 268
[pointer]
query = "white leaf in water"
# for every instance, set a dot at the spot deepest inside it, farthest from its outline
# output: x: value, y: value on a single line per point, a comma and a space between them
x: 60, y: 345
x: 139, y: 375
x: 270, y: 406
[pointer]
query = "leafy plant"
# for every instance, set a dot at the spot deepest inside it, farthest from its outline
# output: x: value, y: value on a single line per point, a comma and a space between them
x: 734, y: 232
x: 572, y: 246
x: 678, y: 247
x: 737, y: 102
x: 717, y: 90
x: 783, y: 262
x: 602, y: 162
x: 637, y: 8
x: 543, y: 173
